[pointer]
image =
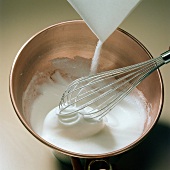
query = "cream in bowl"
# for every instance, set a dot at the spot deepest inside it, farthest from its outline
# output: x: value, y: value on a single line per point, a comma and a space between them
x: 56, y: 56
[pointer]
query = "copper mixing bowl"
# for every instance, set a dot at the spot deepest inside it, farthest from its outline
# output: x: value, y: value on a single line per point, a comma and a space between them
x: 72, y: 39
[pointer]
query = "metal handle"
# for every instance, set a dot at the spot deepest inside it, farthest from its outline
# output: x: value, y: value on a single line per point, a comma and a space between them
x: 166, y: 56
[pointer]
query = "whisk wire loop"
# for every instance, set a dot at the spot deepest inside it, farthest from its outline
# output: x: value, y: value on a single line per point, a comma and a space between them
x: 119, y: 96
x: 100, y: 93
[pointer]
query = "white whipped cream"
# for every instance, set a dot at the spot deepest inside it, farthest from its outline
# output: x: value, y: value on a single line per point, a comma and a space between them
x: 77, y: 128
x: 122, y: 126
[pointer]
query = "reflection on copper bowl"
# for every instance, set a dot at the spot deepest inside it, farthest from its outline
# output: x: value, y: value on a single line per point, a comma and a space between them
x: 72, y: 39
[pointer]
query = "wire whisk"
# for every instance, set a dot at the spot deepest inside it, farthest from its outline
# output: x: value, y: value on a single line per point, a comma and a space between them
x: 95, y: 95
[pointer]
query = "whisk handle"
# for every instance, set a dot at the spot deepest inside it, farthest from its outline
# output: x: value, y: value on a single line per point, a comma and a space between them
x: 166, y: 56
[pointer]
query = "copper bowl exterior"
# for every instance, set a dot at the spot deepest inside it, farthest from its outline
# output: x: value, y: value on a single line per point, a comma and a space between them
x: 71, y: 39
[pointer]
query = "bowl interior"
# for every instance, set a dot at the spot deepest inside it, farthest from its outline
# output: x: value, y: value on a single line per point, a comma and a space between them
x: 70, y: 40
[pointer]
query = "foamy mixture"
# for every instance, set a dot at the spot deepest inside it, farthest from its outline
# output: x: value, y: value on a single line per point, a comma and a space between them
x: 122, y: 126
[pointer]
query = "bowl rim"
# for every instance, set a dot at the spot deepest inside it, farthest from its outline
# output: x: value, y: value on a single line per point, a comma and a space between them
x: 60, y: 150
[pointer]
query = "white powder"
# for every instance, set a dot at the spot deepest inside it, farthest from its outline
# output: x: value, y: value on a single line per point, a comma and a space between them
x: 95, y: 60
